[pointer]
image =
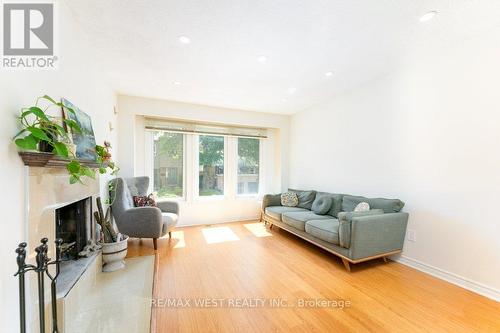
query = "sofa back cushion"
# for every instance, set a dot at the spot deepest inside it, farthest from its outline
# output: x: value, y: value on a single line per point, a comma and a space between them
x: 306, y: 198
x: 349, y: 202
x: 336, y: 205
x: 322, y: 204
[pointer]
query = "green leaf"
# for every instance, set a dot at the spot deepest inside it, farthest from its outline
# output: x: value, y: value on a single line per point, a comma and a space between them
x: 73, y: 125
x: 38, y: 112
x: 86, y: 171
x: 29, y: 142
x: 102, y: 170
x: 61, y: 149
x: 38, y: 133
x: 73, y: 167
x: 74, y: 179
x: 70, y: 110
x: 50, y: 99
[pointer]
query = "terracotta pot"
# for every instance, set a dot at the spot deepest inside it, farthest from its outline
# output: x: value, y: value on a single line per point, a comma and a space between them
x: 113, y: 255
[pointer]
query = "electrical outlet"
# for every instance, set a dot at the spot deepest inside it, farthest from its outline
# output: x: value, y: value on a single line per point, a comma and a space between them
x: 412, y: 235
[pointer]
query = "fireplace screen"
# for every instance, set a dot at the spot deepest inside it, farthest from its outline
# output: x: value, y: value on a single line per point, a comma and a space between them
x: 73, y: 226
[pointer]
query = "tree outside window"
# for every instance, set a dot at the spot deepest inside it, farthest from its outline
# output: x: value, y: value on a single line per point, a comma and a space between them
x: 211, y: 165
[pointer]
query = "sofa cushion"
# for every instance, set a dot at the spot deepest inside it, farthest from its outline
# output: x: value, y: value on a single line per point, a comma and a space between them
x: 349, y: 202
x: 336, y: 206
x: 299, y: 219
x: 306, y: 198
x: 327, y: 230
x: 322, y: 204
x: 276, y: 211
x: 289, y: 199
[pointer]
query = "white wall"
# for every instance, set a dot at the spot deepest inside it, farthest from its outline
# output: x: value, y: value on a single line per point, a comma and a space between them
x: 131, y: 112
x: 77, y: 79
x: 428, y: 134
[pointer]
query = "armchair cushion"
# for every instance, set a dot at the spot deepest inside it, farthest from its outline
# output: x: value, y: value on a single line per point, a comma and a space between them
x: 141, y: 222
x: 169, y: 222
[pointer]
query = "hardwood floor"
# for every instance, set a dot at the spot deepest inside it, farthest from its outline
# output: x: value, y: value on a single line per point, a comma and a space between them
x: 246, y: 261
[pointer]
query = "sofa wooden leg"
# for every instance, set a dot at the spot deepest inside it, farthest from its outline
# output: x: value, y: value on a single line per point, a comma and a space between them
x: 170, y: 234
x: 270, y: 226
x: 346, y: 264
x: 155, y: 243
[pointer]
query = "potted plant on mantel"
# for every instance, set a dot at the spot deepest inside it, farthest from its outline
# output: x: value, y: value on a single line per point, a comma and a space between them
x: 44, y: 134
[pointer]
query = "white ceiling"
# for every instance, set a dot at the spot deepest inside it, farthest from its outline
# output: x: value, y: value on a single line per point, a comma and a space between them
x: 359, y: 40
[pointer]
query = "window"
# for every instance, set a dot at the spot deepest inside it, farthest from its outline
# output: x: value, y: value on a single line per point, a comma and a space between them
x: 211, y: 165
x: 168, y: 164
x: 192, y: 166
x: 248, y: 165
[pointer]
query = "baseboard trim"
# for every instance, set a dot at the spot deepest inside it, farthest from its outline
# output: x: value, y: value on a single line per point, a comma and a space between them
x: 453, y: 278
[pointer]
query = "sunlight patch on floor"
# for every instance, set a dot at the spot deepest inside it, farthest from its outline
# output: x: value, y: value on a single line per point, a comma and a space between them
x: 258, y: 229
x: 219, y: 235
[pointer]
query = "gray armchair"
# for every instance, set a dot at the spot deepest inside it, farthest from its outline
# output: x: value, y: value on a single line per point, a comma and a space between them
x: 142, y: 222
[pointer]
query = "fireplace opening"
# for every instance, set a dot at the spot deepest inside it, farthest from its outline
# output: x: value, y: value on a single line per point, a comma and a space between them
x: 73, y: 227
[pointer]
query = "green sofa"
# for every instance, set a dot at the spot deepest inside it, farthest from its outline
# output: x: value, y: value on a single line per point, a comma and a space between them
x: 328, y: 220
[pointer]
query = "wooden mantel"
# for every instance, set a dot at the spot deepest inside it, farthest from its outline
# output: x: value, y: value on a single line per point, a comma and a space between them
x: 49, y: 160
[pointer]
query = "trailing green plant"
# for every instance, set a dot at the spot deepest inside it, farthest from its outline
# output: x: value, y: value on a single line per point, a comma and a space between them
x: 43, y: 132
x: 104, y: 159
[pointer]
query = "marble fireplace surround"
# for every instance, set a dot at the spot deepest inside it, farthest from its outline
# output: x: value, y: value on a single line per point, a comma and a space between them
x: 48, y: 189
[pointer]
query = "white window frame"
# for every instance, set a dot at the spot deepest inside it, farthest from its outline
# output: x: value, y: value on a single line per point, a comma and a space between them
x: 196, y: 169
x: 190, y: 181
x: 261, y: 169
x: 149, y: 165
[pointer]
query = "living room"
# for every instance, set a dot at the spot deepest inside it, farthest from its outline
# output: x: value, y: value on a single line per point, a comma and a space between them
x: 270, y: 166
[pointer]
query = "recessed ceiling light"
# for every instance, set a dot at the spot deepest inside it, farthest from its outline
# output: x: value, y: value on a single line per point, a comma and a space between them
x: 329, y: 73
x: 262, y: 58
x: 176, y: 83
x: 428, y: 16
x: 184, y: 39
x: 291, y: 90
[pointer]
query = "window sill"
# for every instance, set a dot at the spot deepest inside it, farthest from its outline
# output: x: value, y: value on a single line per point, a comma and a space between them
x: 210, y: 198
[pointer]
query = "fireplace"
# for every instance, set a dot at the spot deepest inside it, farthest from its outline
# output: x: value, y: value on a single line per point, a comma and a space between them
x: 73, y: 226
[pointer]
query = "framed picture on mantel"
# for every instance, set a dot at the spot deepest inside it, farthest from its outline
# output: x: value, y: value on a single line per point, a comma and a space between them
x: 84, y: 141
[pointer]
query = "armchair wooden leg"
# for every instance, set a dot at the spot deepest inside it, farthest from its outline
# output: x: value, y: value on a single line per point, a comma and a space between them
x: 170, y: 234
x: 385, y: 259
x: 155, y: 243
x: 346, y: 264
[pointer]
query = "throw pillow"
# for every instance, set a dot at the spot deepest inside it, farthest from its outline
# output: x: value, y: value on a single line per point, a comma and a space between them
x: 289, y: 199
x: 144, y: 201
x: 322, y: 205
x: 306, y: 198
x: 362, y: 207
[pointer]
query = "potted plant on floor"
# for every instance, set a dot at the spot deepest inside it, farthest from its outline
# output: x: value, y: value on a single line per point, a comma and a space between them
x: 114, y: 245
